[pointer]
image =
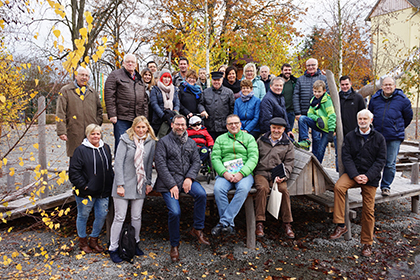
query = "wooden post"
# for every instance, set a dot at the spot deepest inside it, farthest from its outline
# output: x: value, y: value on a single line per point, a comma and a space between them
x: 415, y: 180
x: 42, y: 148
x: 250, y: 222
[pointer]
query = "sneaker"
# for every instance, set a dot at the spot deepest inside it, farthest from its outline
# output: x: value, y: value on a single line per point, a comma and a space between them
x: 386, y: 192
x: 115, y: 257
x: 139, y: 252
x: 305, y: 144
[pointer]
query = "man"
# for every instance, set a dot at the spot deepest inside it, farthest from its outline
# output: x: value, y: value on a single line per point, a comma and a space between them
x: 289, y: 86
x: 177, y: 164
x: 125, y: 97
x: 393, y: 113
x: 234, y: 157
x: 274, y: 148
x: 265, y: 77
x: 217, y: 103
x: 202, y: 78
x: 364, y: 156
x: 183, y: 68
x: 78, y: 106
x: 302, y: 95
x: 153, y: 68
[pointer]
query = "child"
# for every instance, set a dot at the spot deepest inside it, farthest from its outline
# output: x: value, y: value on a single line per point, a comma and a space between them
x: 321, y: 117
x: 201, y: 136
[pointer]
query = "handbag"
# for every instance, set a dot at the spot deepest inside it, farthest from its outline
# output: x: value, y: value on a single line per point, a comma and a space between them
x: 273, y: 205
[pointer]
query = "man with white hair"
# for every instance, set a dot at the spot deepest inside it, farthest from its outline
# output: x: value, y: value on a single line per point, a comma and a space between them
x: 125, y: 96
x: 78, y: 105
x: 364, y: 157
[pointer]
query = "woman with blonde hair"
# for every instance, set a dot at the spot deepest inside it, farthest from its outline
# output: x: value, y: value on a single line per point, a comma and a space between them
x: 133, y: 180
x: 251, y: 74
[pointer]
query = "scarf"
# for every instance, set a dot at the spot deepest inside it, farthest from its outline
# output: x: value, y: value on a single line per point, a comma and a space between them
x: 246, y: 98
x: 167, y: 94
x: 235, y: 87
x: 138, y: 162
x: 316, y: 102
x: 193, y: 88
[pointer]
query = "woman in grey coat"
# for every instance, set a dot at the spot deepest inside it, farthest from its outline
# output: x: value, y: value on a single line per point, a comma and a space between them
x: 133, y: 179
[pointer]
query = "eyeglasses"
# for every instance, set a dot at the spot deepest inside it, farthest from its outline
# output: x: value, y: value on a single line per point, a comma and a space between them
x: 310, y: 65
x: 233, y: 123
x: 196, y: 124
x: 249, y: 71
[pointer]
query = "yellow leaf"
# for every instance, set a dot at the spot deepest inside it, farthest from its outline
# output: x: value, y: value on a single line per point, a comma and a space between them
x: 85, y: 201
x: 29, y: 65
x: 24, y: 65
x: 57, y: 33
x: 12, y: 171
x: 15, y: 254
x: 74, y: 117
x: 61, y: 48
x: 10, y: 229
x: 95, y: 57
x: 21, y: 163
x: 36, y: 146
x: 2, y: 23
x: 87, y: 59
x: 83, y: 32
x: 36, y: 82
x: 5, y: 161
x: 144, y: 273
x: 19, y: 267
x: 89, y: 18
x: 2, y: 99
x: 104, y: 40
x: 36, y: 36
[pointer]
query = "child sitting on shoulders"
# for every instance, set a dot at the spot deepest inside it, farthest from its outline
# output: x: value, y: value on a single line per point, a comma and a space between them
x: 201, y: 136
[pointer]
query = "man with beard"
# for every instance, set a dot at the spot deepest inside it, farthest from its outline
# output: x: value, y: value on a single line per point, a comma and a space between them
x: 288, y: 87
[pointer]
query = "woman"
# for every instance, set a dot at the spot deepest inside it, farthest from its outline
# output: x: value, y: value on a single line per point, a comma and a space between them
x: 231, y: 81
x: 189, y: 95
x: 251, y: 74
x: 222, y: 69
x: 91, y: 174
x: 149, y: 80
x: 133, y: 180
x: 247, y: 107
x: 165, y: 104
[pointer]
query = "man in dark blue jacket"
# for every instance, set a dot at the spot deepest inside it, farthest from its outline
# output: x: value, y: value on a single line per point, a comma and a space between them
x: 364, y: 156
x: 393, y: 113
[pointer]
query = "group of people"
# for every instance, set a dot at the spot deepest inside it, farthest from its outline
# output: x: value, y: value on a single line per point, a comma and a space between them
x: 248, y: 124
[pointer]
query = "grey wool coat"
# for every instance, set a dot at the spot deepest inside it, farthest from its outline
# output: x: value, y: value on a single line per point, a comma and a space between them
x: 125, y: 172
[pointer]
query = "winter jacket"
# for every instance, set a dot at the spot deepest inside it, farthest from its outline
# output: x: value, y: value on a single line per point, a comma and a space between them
x: 188, y: 102
x: 91, y: 171
x: 177, y: 79
x: 302, y: 93
x: 156, y: 100
x: 362, y: 156
x: 125, y: 171
x: 266, y: 82
x: 201, y: 137
x: 272, y: 105
x: 326, y: 112
x: 392, y: 115
x: 219, y: 104
x: 229, y: 147
x: 350, y: 106
x: 288, y: 89
x: 258, y: 88
x: 175, y: 162
x: 248, y: 112
x: 75, y: 114
x: 235, y: 87
x: 125, y: 98
x: 270, y: 156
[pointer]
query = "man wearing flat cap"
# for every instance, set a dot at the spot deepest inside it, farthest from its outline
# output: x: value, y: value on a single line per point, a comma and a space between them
x: 274, y: 149
x: 217, y: 103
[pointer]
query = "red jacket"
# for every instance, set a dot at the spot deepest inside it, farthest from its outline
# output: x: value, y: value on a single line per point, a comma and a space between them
x: 201, y: 137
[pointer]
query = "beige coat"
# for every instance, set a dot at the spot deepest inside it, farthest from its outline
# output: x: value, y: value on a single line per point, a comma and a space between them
x: 75, y: 114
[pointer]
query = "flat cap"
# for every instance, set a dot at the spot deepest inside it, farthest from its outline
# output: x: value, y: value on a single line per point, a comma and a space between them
x: 216, y: 75
x: 278, y: 121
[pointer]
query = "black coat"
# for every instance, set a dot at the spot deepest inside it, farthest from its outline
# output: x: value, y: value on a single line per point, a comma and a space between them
x: 350, y: 106
x: 188, y: 102
x: 91, y: 171
x: 362, y: 156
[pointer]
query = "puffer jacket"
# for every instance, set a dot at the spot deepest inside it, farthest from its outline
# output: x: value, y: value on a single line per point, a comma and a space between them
x: 175, y: 161
x: 228, y: 147
x: 125, y: 98
x: 91, y: 171
x: 218, y: 103
x: 326, y: 112
x: 125, y: 171
x: 188, y: 101
x: 362, y: 156
x: 249, y: 113
x: 270, y: 156
x: 392, y: 115
x: 302, y: 93
x: 156, y: 101
x: 273, y: 105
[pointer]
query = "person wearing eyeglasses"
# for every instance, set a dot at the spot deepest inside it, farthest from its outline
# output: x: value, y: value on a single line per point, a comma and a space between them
x: 234, y: 157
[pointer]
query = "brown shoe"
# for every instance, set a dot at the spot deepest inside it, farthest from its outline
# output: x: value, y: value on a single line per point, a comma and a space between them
x: 288, y: 230
x: 367, y: 250
x: 200, y: 236
x: 93, y: 243
x: 338, y: 232
x: 174, y: 254
x: 83, y: 244
x: 259, y: 232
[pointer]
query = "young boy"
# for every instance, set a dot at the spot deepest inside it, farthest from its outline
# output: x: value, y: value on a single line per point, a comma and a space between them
x: 201, y: 136
x: 321, y: 117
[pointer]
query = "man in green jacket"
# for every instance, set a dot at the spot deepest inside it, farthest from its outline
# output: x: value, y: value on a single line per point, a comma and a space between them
x: 234, y: 157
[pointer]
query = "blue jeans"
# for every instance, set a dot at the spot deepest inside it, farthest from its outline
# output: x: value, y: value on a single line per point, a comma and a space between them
x: 228, y: 211
x: 319, y: 137
x: 119, y: 129
x: 100, y: 206
x: 174, y: 214
x: 291, y: 119
x: 392, y: 149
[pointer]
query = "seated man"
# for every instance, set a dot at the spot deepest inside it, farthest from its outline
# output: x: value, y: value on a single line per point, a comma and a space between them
x: 274, y: 149
x: 364, y: 157
x: 234, y: 157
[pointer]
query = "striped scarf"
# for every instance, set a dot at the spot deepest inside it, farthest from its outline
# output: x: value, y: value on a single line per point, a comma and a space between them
x: 138, y: 162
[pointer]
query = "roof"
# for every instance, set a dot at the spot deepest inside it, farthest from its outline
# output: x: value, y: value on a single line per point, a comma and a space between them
x: 412, y: 3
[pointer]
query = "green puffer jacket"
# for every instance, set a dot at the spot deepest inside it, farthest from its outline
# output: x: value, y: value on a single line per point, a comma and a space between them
x: 326, y: 112
x: 229, y: 147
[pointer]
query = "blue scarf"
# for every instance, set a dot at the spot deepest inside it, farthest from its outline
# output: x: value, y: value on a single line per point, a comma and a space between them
x: 194, y: 89
x: 246, y: 98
